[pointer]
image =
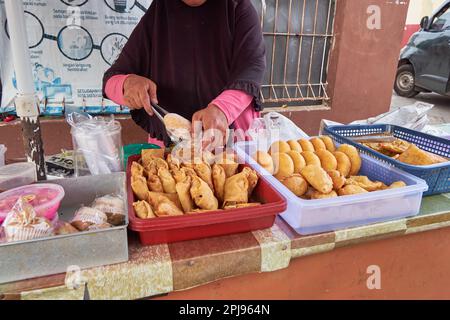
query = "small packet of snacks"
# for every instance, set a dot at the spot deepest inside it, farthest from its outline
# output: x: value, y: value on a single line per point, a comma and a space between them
x: 87, y: 218
x: 23, y: 224
x: 114, y: 208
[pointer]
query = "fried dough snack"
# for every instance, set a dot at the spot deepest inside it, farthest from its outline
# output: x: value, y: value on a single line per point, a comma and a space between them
x: 306, y: 145
x: 284, y: 166
x: 398, y: 184
x: 137, y: 169
x: 279, y: 147
x: 318, y: 178
x: 163, y: 206
x: 229, y: 164
x: 252, y: 178
x: 150, y: 154
x: 418, y: 157
x: 344, y: 165
x: 265, y: 160
x: 295, y: 146
x: 365, y: 183
x: 354, y: 157
x: 296, y: 184
x: 338, y: 179
x: 140, y: 188
x: 204, y: 171
x: 318, y: 144
x: 178, y: 174
x: 152, y: 168
x: 154, y: 184
x: 327, y: 160
x: 184, y: 194
x: 143, y: 210
x: 315, y: 195
x: 329, y: 143
x: 311, y: 158
x: 203, y: 196
x: 168, y: 182
x: 297, y: 158
x: 349, y: 190
x: 236, y: 190
x: 219, y: 177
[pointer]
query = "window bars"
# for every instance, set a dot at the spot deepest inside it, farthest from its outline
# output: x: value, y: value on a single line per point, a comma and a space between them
x: 298, y: 35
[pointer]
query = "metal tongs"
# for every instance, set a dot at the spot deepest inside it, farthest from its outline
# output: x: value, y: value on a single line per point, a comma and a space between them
x: 160, y: 116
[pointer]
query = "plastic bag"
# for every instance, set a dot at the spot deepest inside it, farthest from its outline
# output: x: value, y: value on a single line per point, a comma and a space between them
x: 274, y: 127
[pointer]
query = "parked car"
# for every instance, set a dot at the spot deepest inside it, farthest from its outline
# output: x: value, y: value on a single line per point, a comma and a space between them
x: 424, y: 64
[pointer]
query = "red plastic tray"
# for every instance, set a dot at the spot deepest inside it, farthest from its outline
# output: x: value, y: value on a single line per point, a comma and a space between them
x: 210, y: 224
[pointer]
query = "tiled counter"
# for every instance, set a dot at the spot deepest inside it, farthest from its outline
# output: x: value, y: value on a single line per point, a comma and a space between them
x: 164, y: 269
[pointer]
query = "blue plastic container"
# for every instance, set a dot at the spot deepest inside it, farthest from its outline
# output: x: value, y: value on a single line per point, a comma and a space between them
x: 436, y: 176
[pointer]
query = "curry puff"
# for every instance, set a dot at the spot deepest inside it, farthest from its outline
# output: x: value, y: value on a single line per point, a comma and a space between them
x: 154, y: 184
x: 252, y: 178
x: 418, y: 157
x: 219, y: 178
x: 184, y: 194
x: 365, y: 183
x: 236, y: 190
x: 163, y: 206
x: 204, y: 172
x: 178, y: 174
x: 203, y: 196
x: 143, y: 210
x: 168, y: 182
x: 140, y: 188
x: 137, y: 169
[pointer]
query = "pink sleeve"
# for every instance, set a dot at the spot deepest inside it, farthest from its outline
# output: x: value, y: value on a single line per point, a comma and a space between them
x: 233, y: 103
x: 114, y: 89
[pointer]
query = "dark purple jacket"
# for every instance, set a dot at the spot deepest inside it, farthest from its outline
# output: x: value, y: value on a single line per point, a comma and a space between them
x: 193, y: 54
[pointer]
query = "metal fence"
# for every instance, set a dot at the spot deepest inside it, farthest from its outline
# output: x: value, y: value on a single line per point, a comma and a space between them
x: 298, y: 35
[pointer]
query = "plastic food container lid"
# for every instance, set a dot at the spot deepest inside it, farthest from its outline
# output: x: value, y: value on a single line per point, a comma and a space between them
x: 17, y: 175
x: 43, y: 198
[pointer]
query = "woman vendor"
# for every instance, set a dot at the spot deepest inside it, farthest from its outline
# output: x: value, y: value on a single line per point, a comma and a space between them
x: 204, y: 60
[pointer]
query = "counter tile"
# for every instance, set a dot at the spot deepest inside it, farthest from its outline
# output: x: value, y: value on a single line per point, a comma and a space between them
x: 428, y: 227
x: 56, y: 293
x: 307, y: 251
x: 206, y: 260
x: 275, y: 248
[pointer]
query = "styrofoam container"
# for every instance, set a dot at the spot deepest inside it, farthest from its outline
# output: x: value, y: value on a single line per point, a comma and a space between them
x: 2, y: 155
x: 316, y: 216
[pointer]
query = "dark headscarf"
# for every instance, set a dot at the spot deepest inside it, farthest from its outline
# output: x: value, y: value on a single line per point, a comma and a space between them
x: 193, y: 54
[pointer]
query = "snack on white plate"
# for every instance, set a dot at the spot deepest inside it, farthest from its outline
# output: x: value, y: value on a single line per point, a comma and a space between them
x: 178, y: 126
x: 22, y: 224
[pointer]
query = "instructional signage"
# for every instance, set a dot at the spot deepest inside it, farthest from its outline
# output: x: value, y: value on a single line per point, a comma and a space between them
x: 72, y: 43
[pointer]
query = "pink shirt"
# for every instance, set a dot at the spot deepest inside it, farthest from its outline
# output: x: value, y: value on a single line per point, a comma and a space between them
x: 238, y: 106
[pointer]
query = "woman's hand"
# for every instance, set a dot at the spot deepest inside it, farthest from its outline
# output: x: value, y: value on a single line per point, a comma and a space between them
x: 213, y: 121
x: 138, y: 92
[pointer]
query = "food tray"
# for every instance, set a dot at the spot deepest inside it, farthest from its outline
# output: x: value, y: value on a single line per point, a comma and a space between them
x: 53, y: 255
x: 210, y: 224
x: 316, y: 216
x: 437, y: 176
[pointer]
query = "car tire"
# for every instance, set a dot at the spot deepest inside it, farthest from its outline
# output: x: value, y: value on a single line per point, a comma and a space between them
x: 405, y: 82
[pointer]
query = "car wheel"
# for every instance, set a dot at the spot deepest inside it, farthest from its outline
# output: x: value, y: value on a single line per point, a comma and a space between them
x: 405, y: 83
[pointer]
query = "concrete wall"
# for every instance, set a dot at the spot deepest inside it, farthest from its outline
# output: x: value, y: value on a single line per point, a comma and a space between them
x: 361, y: 76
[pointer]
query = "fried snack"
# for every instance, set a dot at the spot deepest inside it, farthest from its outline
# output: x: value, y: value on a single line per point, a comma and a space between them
x: 137, y: 169
x: 154, y: 184
x: 140, y: 188
x: 398, y: 184
x: 311, y: 158
x: 296, y: 184
x: 143, y: 210
x: 349, y: 190
x: 338, y: 179
x: 365, y: 183
x: 252, y: 178
x: 354, y: 157
x: 219, y: 177
x: 315, y: 195
x: 327, y: 160
x: 204, y: 171
x: 242, y: 205
x: 265, y: 160
x: 418, y: 157
x: 344, y: 164
x: 299, y: 161
x: 318, y: 178
x: 173, y: 162
x: 184, y: 194
x: 203, y: 196
x: 283, y: 164
x: 163, y: 206
x: 168, y: 182
x: 189, y: 172
x: 306, y: 145
x: 148, y: 155
x: 178, y: 174
x: 308, y: 194
x: 65, y: 228
x: 236, y: 190
x: 152, y: 167
x: 178, y: 126
x: 295, y: 146
x: 229, y: 165
x: 329, y: 143
x: 279, y: 147
x: 318, y: 144
x: 396, y: 147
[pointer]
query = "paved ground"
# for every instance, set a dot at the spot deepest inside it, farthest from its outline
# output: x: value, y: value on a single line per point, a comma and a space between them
x: 438, y: 115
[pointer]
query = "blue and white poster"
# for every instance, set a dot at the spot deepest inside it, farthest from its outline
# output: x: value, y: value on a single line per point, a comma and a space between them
x: 72, y: 43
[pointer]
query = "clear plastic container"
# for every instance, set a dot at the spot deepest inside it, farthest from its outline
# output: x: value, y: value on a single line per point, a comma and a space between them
x: 17, y: 175
x: 316, y: 216
x: 45, y: 199
x: 2, y: 155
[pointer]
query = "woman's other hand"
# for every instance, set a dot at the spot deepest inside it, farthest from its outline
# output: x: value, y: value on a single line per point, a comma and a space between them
x: 138, y: 92
x: 213, y: 121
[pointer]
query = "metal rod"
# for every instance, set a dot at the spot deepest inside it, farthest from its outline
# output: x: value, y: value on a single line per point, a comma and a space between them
x: 300, y: 46
x: 312, y: 45
x: 274, y: 44
x: 325, y: 44
x: 286, y: 57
